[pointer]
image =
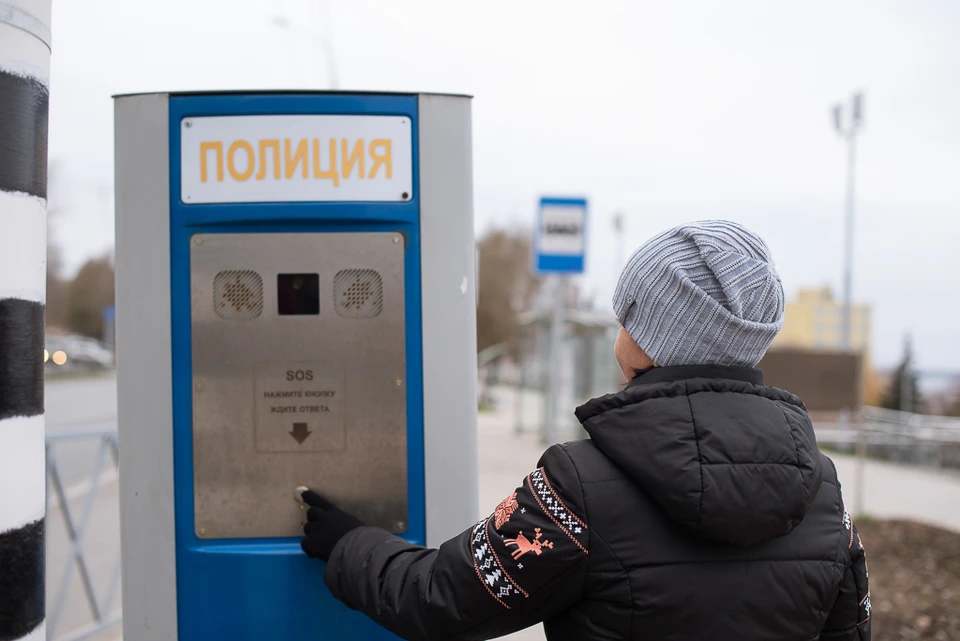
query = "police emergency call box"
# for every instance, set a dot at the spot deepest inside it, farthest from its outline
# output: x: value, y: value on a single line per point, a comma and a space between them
x: 295, y: 306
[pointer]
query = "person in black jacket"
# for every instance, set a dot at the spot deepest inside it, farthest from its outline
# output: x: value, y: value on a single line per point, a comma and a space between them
x: 699, y: 508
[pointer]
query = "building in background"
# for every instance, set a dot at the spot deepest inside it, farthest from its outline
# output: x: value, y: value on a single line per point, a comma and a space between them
x: 814, y: 321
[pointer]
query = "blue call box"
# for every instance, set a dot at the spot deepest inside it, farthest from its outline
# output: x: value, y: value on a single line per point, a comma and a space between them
x: 293, y: 309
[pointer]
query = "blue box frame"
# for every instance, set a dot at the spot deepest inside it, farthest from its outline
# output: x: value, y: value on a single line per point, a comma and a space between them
x: 559, y: 263
x: 255, y: 589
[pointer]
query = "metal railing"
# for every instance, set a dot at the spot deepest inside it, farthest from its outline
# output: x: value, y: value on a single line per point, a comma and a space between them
x: 874, y: 433
x: 915, y: 439
x: 77, y: 519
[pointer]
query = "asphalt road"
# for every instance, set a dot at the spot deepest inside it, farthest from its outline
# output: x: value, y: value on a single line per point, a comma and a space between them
x: 74, y: 406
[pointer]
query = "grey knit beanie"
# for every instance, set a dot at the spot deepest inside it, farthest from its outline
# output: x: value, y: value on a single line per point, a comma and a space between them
x: 706, y: 293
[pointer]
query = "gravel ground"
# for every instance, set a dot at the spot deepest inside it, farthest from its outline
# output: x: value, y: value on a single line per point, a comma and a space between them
x: 914, y: 580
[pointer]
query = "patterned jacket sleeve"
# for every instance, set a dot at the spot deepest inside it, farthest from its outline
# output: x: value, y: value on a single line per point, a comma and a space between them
x: 522, y: 564
x: 849, y: 620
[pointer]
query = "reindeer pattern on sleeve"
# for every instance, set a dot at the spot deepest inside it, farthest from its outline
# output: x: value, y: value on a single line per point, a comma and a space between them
x: 530, y: 537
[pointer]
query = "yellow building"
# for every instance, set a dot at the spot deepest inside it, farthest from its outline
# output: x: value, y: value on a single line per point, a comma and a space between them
x: 814, y: 320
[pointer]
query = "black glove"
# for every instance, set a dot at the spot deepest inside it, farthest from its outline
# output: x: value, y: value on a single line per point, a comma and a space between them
x: 326, y: 524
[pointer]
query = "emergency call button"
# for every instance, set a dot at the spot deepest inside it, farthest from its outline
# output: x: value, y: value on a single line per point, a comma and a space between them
x: 298, y: 406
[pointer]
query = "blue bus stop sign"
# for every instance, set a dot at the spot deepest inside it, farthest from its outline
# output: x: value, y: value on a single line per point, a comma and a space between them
x: 560, y: 236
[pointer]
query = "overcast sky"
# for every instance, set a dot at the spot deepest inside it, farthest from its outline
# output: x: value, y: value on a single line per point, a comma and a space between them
x: 669, y: 111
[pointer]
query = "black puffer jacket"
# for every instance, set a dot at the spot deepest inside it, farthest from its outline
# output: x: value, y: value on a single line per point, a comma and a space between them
x: 700, y: 508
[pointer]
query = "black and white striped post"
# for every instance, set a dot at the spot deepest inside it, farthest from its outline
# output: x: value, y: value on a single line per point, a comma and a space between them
x: 24, y: 79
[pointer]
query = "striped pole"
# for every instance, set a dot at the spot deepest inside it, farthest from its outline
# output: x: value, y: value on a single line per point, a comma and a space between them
x: 24, y: 78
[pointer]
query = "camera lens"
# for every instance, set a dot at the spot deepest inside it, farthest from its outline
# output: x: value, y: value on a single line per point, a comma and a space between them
x: 298, y: 294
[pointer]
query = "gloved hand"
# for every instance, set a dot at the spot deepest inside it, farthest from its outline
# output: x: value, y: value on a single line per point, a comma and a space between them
x: 326, y: 524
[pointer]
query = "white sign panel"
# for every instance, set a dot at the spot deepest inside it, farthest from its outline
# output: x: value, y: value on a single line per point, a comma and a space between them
x: 299, y: 407
x: 561, y: 230
x: 303, y: 158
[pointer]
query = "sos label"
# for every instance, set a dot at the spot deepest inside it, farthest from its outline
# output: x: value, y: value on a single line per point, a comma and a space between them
x: 300, y: 375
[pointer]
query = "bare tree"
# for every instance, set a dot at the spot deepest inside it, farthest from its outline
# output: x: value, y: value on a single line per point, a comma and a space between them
x: 56, y: 308
x: 506, y: 284
x: 90, y: 292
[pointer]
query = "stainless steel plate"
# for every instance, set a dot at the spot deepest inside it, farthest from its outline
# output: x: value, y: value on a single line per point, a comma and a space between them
x: 316, y: 399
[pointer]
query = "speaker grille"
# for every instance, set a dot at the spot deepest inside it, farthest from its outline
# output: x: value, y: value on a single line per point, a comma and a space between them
x: 358, y: 293
x: 238, y: 294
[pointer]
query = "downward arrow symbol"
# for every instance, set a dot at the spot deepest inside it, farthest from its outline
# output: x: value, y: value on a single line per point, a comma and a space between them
x: 300, y: 432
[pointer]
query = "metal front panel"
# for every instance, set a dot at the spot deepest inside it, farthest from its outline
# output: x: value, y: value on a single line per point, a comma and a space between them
x: 317, y: 398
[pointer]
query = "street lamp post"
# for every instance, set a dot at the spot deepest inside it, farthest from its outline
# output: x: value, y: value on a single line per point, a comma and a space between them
x: 618, y: 238
x: 849, y: 133
x: 906, y: 376
x: 282, y: 22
